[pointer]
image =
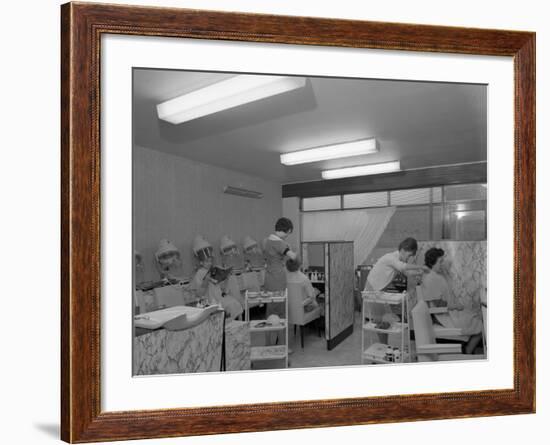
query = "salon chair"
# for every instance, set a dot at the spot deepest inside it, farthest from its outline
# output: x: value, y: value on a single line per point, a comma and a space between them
x: 296, y: 311
x: 440, y: 331
x: 427, y: 350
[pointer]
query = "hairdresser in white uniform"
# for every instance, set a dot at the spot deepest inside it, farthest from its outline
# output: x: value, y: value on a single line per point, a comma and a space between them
x: 387, y: 267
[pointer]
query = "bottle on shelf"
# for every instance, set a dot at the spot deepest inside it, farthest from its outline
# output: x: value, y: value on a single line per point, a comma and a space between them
x: 378, y: 316
x: 396, y: 355
x: 389, y: 354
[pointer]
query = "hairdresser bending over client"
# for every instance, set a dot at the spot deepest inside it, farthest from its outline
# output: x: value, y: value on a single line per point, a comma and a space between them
x: 385, y: 269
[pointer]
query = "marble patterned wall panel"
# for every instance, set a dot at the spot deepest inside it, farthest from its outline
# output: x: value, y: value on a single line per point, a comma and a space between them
x: 197, y: 349
x: 467, y: 261
x: 341, y: 287
x: 237, y: 345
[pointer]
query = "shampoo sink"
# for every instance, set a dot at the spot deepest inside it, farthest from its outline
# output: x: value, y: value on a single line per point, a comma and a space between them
x: 174, y: 318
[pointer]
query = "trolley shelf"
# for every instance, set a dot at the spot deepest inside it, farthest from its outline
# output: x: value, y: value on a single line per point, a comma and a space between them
x: 376, y: 305
x: 266, y: 328
x: 257, y: 297
x: 376, y: 352
x: 385, y: 362
x: 268, y: 352
x: 253, y: 300
x: 382, y: 297
x: 394, y: 329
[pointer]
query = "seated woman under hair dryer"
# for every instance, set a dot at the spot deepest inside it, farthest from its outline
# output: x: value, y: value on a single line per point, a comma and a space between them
x: 139, y: 268
x: 232, y: 259
x: 208, y: 282
x: 253, y: 255
x: 168, y: 261
x: 231, y: 256
x: 173, y: 288
x: 255, y: 263
x: 254, y: 259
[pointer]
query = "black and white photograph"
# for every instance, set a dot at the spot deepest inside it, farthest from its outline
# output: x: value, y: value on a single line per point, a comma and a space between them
x: 287, y: 222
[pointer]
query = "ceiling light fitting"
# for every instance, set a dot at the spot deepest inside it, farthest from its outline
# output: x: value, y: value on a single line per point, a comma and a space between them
x: 230, y: 93
x: 362, y: 170
x: 333, y: 151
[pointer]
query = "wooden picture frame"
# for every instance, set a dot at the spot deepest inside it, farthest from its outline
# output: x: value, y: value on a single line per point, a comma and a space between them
x: 82, y: 26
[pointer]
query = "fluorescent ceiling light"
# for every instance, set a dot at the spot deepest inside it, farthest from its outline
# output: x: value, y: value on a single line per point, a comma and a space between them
x: 336, y: 151
x: 226, y: 94
x: 362, y: 170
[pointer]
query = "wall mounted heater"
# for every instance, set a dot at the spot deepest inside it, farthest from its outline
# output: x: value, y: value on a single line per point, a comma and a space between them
x: 242, y: 192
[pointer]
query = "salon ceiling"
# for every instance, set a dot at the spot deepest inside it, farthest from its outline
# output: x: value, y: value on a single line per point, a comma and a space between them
x: 421, y: 124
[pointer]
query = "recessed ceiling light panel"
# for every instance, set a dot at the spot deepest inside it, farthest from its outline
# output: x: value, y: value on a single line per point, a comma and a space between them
x: 230, y: 93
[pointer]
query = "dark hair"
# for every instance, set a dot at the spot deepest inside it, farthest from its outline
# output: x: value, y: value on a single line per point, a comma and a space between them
x: 409, y: 245
x: 284, y: 225
x: 432, y: 255
x: 293, y: 265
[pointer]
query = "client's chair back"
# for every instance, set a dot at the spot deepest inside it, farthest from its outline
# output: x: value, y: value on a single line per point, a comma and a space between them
x: 423, y: 328
x: 419, y: 294
x: 295, y: 304
x: 417, y: 298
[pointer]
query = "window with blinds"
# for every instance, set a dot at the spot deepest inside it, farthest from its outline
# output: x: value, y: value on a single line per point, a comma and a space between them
x: 407, y: 222
x: 410, y: 197
x: 437, y: 194
x: 359, y: 200
x: 465, y: 192
x: 444, y: 212
x: 321, y: 203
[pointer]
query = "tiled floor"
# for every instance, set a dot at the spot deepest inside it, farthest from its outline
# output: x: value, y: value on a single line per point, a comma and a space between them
x: 315, y: 351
